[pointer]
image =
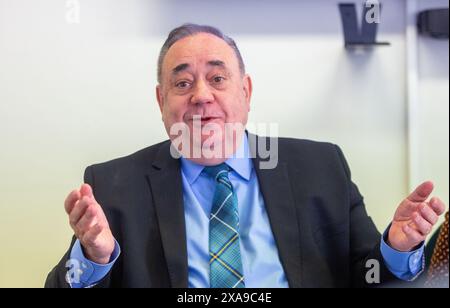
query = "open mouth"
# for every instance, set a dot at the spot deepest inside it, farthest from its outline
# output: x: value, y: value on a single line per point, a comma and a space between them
x: 204, y: 120
x: 207, y: 120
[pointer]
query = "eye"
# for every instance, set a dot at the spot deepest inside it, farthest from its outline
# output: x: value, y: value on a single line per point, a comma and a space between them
x: 218, y: 79
x: 182, y: 85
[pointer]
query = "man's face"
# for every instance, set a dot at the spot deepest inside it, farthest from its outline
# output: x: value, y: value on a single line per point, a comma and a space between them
x: 201, y: 77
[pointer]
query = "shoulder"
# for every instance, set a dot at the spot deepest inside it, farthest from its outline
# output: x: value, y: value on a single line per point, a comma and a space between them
x: 313, y: 155
x: 305, y: 146
x: 301, y: 154
x: 138, y: 162
x: 287, y: 149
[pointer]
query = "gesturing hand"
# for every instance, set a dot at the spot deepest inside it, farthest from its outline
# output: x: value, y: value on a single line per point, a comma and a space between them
x: 415, y: 218
x: 90, y: 225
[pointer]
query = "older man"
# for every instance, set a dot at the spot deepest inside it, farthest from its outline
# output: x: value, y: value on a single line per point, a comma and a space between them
x: 173, y: 215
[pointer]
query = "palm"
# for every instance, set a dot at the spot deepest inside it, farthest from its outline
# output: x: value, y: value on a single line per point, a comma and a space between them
x: 90, y: 224
x: 414, y: 218
x: 102, y: 245
x: 403, y: 217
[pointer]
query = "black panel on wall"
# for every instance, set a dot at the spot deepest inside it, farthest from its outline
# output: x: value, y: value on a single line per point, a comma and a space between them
x: 434, y: 23
x: 355, y: 35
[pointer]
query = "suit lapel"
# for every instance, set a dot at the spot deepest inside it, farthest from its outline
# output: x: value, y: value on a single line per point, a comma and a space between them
x: 167, y: 192
x: 276, y: 190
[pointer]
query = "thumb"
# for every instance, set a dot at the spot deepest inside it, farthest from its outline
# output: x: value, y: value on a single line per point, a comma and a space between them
x: 422, y: 192
x: 86, y: 191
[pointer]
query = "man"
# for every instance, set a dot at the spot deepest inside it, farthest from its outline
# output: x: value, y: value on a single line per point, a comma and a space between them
x: 155, y: 219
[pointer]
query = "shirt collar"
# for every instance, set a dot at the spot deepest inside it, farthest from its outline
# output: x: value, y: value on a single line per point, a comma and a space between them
x: 241, y: 163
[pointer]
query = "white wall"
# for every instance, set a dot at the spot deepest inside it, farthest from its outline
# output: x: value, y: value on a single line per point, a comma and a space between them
x: 76, y: 94
x: 432, y: 118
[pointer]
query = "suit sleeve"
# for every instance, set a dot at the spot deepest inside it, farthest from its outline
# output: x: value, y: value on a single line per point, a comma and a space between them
x: 57, y: 277
x: 365, y: 240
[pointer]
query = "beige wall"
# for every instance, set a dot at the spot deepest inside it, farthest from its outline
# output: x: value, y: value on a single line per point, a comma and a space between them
x: 76, y: 94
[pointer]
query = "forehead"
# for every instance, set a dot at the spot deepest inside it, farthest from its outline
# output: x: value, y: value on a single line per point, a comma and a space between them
x: 199, y: 49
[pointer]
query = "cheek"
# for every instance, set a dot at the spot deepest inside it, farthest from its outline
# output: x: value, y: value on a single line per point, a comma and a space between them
x: 174, y: 110
x: 237, y: 110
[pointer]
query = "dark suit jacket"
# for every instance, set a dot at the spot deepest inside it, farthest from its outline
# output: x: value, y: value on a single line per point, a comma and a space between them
x: 322, y: 231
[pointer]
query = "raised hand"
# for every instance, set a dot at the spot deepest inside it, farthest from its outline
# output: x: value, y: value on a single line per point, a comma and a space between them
x: 415, y: 218
x: 90, y: 225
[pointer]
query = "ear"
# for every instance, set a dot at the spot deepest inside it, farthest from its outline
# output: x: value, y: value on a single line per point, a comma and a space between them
x: 248, y: 88
x: 159, y: 97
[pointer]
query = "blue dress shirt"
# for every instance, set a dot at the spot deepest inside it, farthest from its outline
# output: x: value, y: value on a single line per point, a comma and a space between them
x: 260, y: 259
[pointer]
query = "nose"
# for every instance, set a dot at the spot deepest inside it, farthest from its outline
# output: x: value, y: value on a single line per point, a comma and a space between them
x: 202, y: 93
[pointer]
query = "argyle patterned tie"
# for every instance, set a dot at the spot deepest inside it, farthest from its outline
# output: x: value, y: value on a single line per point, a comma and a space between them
x: 224, y: 250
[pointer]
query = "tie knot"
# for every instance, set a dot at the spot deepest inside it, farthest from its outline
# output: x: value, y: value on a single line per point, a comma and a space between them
x: 217, y: 172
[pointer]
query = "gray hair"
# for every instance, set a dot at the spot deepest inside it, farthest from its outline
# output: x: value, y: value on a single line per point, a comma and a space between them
x: 192, y: 29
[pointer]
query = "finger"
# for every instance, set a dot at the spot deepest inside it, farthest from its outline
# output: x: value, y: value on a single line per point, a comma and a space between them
x: 423, y: 226
x: 70, y: 201
x: 90, y: 237
x: 422, y: 192
x: 78, y: 211
x: 88, y: 220
x: 428, y: 214
x: 413, y: 235
x: 86, y: 190
x: 408, y: 209
x: 437, y: 205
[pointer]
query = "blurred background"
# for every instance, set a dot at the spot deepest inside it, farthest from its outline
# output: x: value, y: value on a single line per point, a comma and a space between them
x: 77, y: 87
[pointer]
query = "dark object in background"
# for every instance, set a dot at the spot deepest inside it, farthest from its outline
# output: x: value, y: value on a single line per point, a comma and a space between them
x: 433, y: 23
x: 355, y: 35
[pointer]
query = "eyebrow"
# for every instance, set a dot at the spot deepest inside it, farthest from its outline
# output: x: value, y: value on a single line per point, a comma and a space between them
x: 184, y: 66
x: 217, y: 63
x: 180, y: 68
